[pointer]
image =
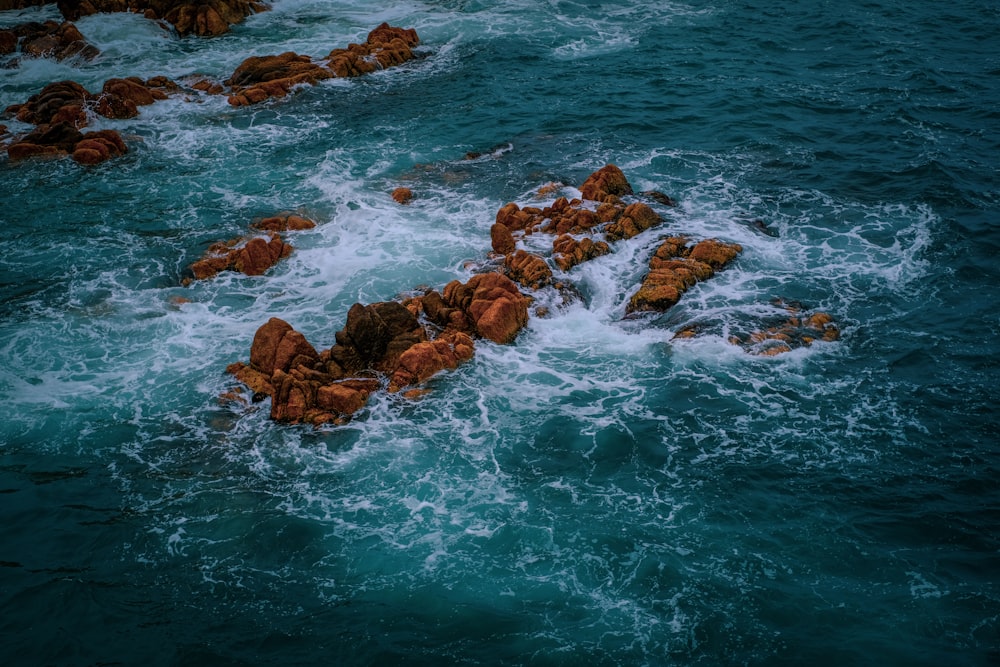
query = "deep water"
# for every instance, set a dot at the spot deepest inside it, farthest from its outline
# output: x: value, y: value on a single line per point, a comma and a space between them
x: 597, y: 493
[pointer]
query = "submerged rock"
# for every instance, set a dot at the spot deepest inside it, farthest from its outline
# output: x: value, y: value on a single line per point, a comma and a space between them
x: 283, y: 222
x: 798, y: 329
x: 50, y: 39
x: 402, y: 195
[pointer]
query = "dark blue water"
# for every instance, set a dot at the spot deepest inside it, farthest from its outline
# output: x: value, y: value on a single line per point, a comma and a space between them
x: 596, y: 493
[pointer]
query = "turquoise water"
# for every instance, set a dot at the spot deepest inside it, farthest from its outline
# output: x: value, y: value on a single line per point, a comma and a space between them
x: 597, y: 493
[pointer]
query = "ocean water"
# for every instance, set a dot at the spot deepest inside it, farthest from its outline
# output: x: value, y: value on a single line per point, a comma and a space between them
x: 598, y: 492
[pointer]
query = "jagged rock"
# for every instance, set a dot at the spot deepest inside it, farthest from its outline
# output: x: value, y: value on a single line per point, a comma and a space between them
x: 42, y: 107
x: 502, y: 240
x: 54, y: 40
x: 259, y: 78
x: 568, y: 251
x: 675, y: 267
x: 252, y: 258
x: 198, y: 17
x: 262, y: 77
x: 795, y: 331
x: 96, y: 147
x: 385, y: 47
x: 492, y: 305
x: 283, y: 222
x: 6, y: 5
x: 375, y: 337
x: 635, y: 219
x: 425, y: 359
x: 527, y: 269
x: 608, y: 181
x: 8, y: 42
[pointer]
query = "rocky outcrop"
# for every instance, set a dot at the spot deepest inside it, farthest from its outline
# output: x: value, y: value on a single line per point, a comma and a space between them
x: 204, y: 18
x: 60, y: 110
x: 264, y: 77
x: 50, y: 39
x: 381, y: 344
x: 252, y: 257
x: 675, y: 267
x: 402, y: 195
x: 606, y: 185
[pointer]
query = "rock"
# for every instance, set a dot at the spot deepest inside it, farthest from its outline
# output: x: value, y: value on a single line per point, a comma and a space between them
x: 54, y: 40
x: 262, y: 77
x: 492, y: 304
x: 96, y: 147
x: 605, y: 182
x: 568, y: 252
x: 42, y: 107
x: 502, y: 239
x: 425, y: 359
x: 277, y: 346
x: 375, y: 336
x: 283, y: 222
x: 8, y: 42
x: 204, y: 18
x: 675, y: 268
x: 659, y: 197
x: 253, y: 258
x: 635, y: 219
x: 527, y: 269
x: 385, y: 47
x: 402, y: 195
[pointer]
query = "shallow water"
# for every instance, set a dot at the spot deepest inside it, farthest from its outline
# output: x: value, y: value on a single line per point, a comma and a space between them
x: 596, y: 493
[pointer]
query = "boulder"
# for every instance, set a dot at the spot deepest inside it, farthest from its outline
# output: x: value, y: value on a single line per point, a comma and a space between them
x: 527, y: 269
x: 54, y: 40
x: 675, y: 268
x: 204, y: 18
x: 253, y: 258
x: 491, y: 303
x: 402, y: 195
x: 42, y: 107
x: 635, y: 219
x: 609, y: 181
x: 375, y: 336
x: 568, y: 251
x: 502, y: 239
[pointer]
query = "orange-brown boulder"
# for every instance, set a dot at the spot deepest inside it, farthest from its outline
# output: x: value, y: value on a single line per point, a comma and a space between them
x: 253, y: 258
x: 527, y: 269
x: 8, y: 42
x: 385, y: 47
x: 568, y: 251
x: 261, y: 77
x: 44, y: 105
x: 402, y: 195
x: 492, y: 303
x: 52, y: 39
x: 205, y: 18
x: 606, y: 181
x: 675, y: 268
x: 714, y: 253
x: 502, y: 239
x: 635, y: 219
x: 375, y: 336
x: 425, y: 359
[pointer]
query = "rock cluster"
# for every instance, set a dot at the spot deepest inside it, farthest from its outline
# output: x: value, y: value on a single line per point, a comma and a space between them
x: 205, y: 18
x: 387, y: 344
x: 675, y: 267
x: 50, y: 39
x: 259, y: 78
x: 62, y: 108
x: 251, y: 256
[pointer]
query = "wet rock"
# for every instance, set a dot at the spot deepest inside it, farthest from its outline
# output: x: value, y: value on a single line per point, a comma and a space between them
x: 283, y: 222
x: 375, y: 336
x: 402, y: 195
x: 635, y: 219
x: 204, y: 18
x: 54, y: 40
x: 425, y: 359
x: 609, y: 181
x: 492, y: 305
x: 96, y: 147
x: 253, y: 258
x: 262, y: 77
x: 8, y: 42
x: 502, y: 239
x: 527, y: 269
x: 42, y: 107
x: 568, y: 251
x: 675, y: 267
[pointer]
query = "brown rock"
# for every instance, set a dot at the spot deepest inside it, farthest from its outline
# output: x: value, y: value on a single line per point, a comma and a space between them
x: 568, y: 251
x: 375, y: 336
x: 715, y: 253
x: 527, y: 269
x: 674, y: 268
x: 635, y: 219
x: 43, y: 106
x: 8, y: 42
x: 502, y: 239
x: 402, y: 195
x: 253, y: 258
x: 605, y: 182
x: 283, y: 222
